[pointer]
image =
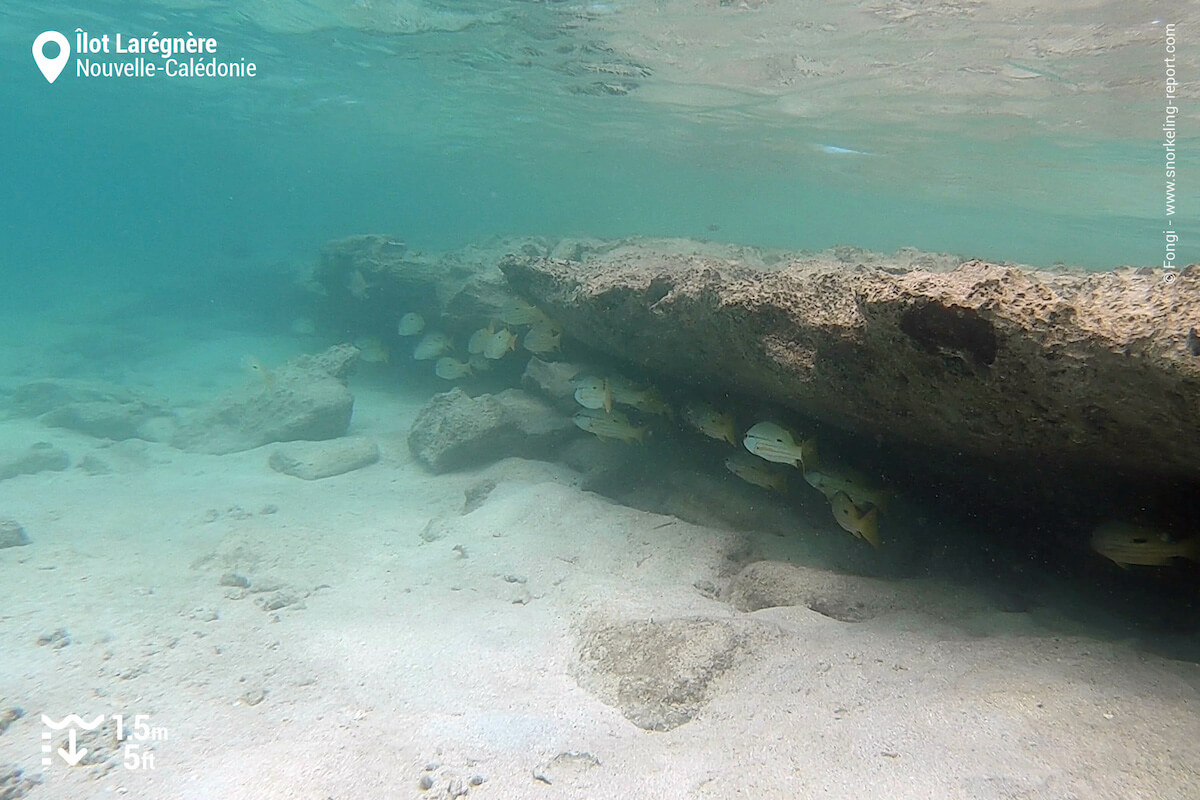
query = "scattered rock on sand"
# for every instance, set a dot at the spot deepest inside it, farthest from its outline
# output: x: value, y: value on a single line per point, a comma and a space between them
x: 39, y: 457
x: 455, y: 430
x: 315, y: 460
x: 13, y: 784
x: 305, y: 399
x: 659, y: 673
x: 848, y: 598
x: 103, y: 410
x: 12, y: 534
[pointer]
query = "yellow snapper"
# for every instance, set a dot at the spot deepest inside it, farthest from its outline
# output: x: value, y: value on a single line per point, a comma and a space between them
x: 852, y: 520
x: 592, y: 392
x: 500, y: 343
x: 753, y: 470
x: 371, y: 350
x: 643, y: 398
x: 608, y: 425
x: 432, y: 345
x: 543, y: 337
x: 451, y: 369
x: 520, y: 312
x: 710, y: 422
x: 479, y: 339
x: 776, y: 443
x: 853, y: 484
x: 411, y: 324
x: 1124, y: 544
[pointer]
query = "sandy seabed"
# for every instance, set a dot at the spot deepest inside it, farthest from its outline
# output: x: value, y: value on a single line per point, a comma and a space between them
x: 354, y: 636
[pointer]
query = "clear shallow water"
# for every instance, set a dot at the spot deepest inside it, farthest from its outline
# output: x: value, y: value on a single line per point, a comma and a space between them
x: 972, y: 132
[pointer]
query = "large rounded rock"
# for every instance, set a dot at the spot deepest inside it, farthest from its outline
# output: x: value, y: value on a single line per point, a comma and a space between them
x: 305, y: 399
x: 455, y: 430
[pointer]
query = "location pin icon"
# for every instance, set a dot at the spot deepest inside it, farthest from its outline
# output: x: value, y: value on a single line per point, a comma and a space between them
x: 51, y: 67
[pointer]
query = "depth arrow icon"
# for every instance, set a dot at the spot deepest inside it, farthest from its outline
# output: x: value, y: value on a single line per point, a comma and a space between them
x: 71, y: 755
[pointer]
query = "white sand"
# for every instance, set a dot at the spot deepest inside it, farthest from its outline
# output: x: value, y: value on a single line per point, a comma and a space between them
x: 402, y: 652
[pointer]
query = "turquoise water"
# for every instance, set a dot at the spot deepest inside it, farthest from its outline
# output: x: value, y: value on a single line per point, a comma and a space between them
x: 392, y: 629
x: 444, y: 137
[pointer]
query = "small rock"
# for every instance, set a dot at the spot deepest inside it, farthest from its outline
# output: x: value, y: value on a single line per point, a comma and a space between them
x: 204, y: 614
x: 58, y: 639
x: 253, y: 697
x: 39, y: 457
x: 8, y: 716
x: 234, y: 579
x: 315, y: 460
x: 425, y: 784
x: 94, y: 465
x: 567, y: 765
x: 279, y: 600
x: 12, y: 534
x: 13, y: 784
x: 475, y: 496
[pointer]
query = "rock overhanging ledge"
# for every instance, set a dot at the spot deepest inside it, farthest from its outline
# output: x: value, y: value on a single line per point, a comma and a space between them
x: 1099, y: 369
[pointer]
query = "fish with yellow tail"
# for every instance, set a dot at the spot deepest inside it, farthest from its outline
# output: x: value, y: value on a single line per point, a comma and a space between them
x: 479, y: 339
x: 754, y: 470
x: 1124, y: 544
x: 710, y: 422
x: 644, y: 398
x: 772, y: 442
x: 853, y: 520
x: 410, y: 324
x: 432, y: 345
x: 592, y: 392
x: 854, y: 485
x: 500, y: 344
x: 521, y: 312
x: 608, y: 425
x: 543, y: 337
x: 451, y: 369
x: 372, y: 350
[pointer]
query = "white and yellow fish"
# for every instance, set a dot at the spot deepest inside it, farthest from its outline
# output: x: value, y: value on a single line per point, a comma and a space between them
x: 411, y: 324
x: 711, y: 422
x: 643, y: 398
x: 854, y: 485
x: 371, y: 350
x: 479, y: 339
x: 478, y: 362
x: 1124, y: 543
x: 592, y: 392
x: 756, y: 471
x: 543, y: 337
x: 451, y: 369
x: 773, y: 442
x: 853, y: 520
x: 520, y: 312
x: 608, y: 425
x: 432, y: 345
x: 500, y: 344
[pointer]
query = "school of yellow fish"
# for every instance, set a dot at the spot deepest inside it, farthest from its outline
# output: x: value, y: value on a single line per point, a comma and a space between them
x: 768, y: 453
